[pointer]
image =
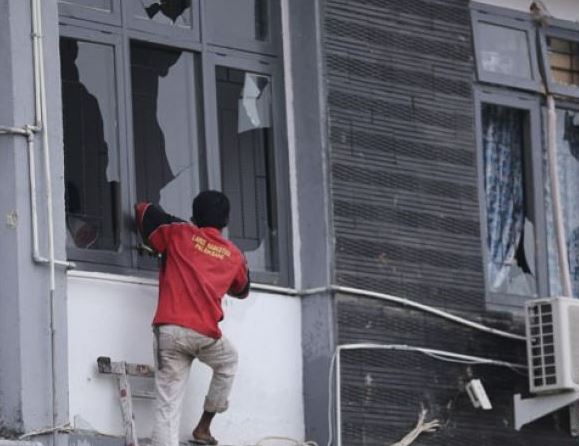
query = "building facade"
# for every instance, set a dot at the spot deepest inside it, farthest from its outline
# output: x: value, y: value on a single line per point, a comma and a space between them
x: 373, y: 151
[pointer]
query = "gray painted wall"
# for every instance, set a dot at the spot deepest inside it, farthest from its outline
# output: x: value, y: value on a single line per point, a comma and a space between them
x: 26, y: 388
x: 315, y: 254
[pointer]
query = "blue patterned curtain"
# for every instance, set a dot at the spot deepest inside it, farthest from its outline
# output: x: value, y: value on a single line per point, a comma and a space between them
x: 503, y: 164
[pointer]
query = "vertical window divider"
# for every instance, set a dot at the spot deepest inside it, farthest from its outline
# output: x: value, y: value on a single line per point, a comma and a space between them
x: 130, y: 140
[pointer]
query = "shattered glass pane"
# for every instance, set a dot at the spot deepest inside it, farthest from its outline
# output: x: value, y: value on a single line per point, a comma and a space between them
x: 100, y: 5
x: 168, y: 12
x: 91, y: 144
x: 165, y: 127
x: 248, y: 164
x: 255, y: 103
x: 510, y: 220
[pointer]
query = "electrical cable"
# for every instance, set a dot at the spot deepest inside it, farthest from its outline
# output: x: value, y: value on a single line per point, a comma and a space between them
x: 441, y: 355
x: 390, y: 298
x: 63, y: 428
x: 431, y: 310
x: 421, y: 426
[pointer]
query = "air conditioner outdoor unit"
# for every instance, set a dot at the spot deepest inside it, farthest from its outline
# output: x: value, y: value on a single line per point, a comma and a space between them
x: 553, y: 344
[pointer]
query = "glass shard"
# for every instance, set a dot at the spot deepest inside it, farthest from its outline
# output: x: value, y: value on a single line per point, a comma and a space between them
x: 91, y: 149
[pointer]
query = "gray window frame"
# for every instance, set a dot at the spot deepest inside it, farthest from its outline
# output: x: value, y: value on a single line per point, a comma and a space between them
x: 531, y: 104
x: 76, y: 11
x: 270, y: 47
x: 486, y: 14
x: 561, y: 104
x: 120, y: 30
x: 122, y: 257
x: 140, y: 262
x: 270, y: 67
x: 564, y: 32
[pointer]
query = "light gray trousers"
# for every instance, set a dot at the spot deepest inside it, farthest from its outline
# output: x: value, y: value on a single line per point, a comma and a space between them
x: 175, y: 348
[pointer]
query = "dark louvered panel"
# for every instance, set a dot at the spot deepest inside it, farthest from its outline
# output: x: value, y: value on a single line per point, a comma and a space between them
x: 403, y: 162
x: 406, y: 222
x: 382, y: 391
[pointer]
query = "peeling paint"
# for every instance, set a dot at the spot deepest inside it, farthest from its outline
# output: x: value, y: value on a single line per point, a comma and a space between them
x: 12, y: 220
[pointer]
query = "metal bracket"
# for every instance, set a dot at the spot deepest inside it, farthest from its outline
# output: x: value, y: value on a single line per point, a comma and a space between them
x: 574, y: 418
x: 123, y: 370
x: 530, y: 409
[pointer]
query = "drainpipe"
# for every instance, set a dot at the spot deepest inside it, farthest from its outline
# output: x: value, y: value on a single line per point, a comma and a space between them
x: 42, y: 123
x: 562, y: 254
x: 30, y: 132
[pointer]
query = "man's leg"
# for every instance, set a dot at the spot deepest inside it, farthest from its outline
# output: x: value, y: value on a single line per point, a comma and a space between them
x: 170, y: 379
x: 221, y: 356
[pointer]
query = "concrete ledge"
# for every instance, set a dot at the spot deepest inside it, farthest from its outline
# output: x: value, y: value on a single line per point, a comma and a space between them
x: 19, y: 443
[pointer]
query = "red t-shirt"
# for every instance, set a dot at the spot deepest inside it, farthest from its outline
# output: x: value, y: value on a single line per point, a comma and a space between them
x: 200, y: 266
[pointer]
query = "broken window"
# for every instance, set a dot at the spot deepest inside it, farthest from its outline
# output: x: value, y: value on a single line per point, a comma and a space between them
x: 165, y: 12
x: 568, y: 173
x: 247, y: 163
x: 510, y: 217
x: 91, y: 145
x: 165, y: 127
x: 137, y: 122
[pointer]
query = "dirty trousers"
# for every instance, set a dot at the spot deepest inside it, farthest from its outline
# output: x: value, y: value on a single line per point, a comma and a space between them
x: 175, y: 348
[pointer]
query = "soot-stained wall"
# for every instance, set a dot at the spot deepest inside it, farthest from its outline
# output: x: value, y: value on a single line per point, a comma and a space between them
x: 399, y: 77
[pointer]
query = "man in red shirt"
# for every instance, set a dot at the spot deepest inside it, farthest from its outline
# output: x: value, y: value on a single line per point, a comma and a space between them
x: 199, y: 267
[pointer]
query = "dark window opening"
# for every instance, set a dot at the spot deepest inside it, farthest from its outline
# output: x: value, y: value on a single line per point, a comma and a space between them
x: 564, y: 60
x: 510, y: 212
x: 91, y: 152
x: 247, y: 163
x: 261, y: 20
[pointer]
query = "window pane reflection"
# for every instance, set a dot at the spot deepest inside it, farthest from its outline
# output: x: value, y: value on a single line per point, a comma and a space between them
x: 168, y: 12
x: 510, y: 228
x: 568, y: 172
x: 247, y: 163
x: 504, y: 51
x: 165, y: 131
x: 251, y: 21
x: 91, y: 151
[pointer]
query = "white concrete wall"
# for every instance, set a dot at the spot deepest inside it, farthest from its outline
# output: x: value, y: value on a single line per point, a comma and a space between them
x: 110, y: 316
x: 560, y: 9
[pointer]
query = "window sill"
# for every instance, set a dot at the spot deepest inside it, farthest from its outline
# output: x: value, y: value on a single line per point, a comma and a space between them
x: 149, y: 278
x: 509, y: 303
x: 113, y: 277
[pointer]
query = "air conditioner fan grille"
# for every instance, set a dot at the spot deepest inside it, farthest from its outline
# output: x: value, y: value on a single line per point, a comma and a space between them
x: 542, y: 345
